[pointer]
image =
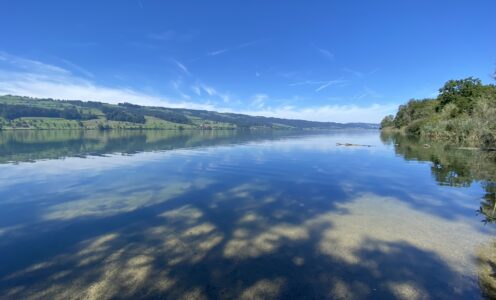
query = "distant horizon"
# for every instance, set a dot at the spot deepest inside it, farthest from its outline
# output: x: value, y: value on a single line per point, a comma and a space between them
x: 326, y: 61
x: 161, y: 106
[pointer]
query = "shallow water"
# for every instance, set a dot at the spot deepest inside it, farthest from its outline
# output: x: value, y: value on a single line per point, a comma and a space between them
x: 240, y: 215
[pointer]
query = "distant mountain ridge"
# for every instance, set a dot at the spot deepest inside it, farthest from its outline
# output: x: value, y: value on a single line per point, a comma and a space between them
x: 18, y: 112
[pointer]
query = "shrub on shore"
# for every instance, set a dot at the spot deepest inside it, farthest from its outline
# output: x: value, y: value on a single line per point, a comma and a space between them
x: 464, y: 112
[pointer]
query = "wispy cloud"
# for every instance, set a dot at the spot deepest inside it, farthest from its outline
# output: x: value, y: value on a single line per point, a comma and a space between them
x: 209, y: 90
x: 328, y: 54
x: 226, y: 98
x: 8, y: 61
x: 353, y: 72
x: 258, y: 100
x: 166, y: 35
x: 196, y: 89
x: 327, y: 84
x: 241, y: 46
x: 322, y: 83
x: 20, y: 76
x: 171, y: 35
x: 181, y: 66
x: 289, y: 74
x: 177, y: 86
x: 306, y: 82
x: 217, y: 52
x: 367, y: 93
x: 76, y: 67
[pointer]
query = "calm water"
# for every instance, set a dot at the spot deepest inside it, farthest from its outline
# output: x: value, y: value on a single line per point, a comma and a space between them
x: 250, y: 215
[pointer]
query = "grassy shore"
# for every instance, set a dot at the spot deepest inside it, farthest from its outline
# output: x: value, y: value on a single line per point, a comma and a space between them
x: 463, y: 113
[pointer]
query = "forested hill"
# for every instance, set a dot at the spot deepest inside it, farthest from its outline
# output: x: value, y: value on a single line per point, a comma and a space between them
x: 464, y: 112
x: 18, y: 112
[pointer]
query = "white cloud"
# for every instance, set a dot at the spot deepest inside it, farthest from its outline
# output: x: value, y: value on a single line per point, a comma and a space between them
x: 166, y: 35
x: 306, y: 82
x: 328, y: 54
x: 226, y: 98
x: 353, y: 72
x: 78, y: 68
x: 221, y: 51
x: 209, y: 90
x: 368, y: 93
x: 217, y: 52
x: 196, y: 89
x: 14, y: 62
x: 328, y: 84
x: 329, y: 113
x: 259, y: 101
x: 181, y: 66
x: 171, y: 35
x: 322, y: 83
x: 19, y: 76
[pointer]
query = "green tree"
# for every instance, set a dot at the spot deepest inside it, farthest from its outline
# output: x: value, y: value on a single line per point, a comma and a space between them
x: 388, y: 121
x: 414, y: 110
x: 462, y: 93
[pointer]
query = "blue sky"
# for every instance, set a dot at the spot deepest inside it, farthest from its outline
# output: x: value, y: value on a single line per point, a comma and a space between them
x: 339, y: 61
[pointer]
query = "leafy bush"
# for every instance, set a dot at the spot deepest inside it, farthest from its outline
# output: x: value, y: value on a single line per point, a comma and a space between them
x: 464, y: 112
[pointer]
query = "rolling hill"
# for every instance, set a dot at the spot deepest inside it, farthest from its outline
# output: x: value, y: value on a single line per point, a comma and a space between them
x: 18, y: 112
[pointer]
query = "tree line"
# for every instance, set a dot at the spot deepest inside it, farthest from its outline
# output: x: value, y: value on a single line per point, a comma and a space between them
x: 463, y: 112
x: 11, y: 112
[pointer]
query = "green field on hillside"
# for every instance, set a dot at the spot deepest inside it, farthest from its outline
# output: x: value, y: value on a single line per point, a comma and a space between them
x: 18, y: 112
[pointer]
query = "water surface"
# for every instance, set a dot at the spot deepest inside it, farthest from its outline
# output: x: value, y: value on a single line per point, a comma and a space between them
x: 226, y: 214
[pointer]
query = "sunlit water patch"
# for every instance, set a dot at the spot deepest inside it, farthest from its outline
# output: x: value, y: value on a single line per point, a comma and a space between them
x: 211, y: 215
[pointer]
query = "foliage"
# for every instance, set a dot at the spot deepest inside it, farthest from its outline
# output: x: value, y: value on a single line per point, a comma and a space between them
x: 388, y: 121
x: 11, y: 112
x: 414, y: 110
x: 463, y: 112
x: 118, y: 114
x: 459, y: 92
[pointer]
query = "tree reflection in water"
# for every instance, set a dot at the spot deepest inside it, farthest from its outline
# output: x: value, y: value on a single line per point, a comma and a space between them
x: 459, y: 166
x: 290, y: 218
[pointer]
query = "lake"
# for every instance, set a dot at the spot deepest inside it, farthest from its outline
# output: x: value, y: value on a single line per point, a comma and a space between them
x: 248, y: 215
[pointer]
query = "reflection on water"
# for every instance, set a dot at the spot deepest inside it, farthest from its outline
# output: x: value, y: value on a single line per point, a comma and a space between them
x: 453, y: 166
x: 31, y: 145
x: 461, y: 167
x: 250, y: 215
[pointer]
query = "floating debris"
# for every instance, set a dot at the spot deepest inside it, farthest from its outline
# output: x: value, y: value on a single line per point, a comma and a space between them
x: 352, y: 145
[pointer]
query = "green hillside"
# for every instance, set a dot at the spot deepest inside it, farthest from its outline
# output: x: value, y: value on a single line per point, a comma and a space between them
x: 17, y: 112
